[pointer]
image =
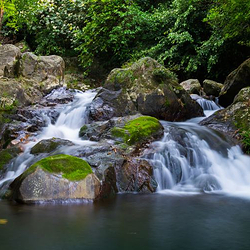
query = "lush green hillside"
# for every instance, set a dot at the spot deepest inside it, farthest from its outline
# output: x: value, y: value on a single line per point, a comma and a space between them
x: 201, y: 38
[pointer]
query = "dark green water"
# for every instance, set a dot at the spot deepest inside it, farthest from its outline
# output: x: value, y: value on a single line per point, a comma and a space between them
x: 130, y: 222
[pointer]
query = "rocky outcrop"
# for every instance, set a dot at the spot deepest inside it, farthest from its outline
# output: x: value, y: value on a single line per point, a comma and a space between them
x: 9, y: 56
x: 235, y: 81
x: 46, y: 71
x: 212, y: 88
x: 54, y: 178
x: 146, y: 87
x: 118, y: 163
x: 234, y: 120
x: 192, y: 86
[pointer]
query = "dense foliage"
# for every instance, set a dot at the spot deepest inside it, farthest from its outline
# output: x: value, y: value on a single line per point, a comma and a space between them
x: 195, y: 38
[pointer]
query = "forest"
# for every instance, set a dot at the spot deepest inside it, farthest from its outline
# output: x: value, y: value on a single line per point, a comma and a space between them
x: 194, y: 38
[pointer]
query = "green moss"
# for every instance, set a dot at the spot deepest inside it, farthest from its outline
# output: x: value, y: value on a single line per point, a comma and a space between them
x: 137, y: 130
x: 71, y: 168
x: 167, y: 103
x: 5, y: 157
x: 246, y: 140
x: 42, y: 147
x: 83, y: 130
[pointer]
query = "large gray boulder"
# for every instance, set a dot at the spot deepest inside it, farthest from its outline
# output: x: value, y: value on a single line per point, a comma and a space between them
x: 46, y: 71
x: 192, y: 86
x: 235, y: 81
x: 55, y: 178
x: 9, y: 56
x: 152, y: 89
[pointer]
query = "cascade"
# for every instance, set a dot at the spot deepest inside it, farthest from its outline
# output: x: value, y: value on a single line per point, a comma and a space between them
x: 72, y: 117
x: 191, y: 158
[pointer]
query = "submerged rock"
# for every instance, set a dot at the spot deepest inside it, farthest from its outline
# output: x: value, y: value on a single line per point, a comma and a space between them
x: 58, y: 177
x: 146, y: 87
x: 207, y: 182
x: 192, y: 86
x: 235, y: 81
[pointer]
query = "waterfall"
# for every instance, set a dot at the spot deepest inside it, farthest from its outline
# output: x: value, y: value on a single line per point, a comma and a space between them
x: 72, y: 117
x: 191, y: 158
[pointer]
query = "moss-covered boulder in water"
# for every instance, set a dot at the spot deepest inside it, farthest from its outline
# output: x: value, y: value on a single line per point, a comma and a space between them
x: 234, y: 120
x: 56, y: 177
x: 138, y: 130
x: 147, y: 87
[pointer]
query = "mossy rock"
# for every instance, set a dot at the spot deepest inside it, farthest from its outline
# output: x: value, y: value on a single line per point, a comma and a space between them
x: 48, y: 146
x: 138, y: 130
x: 154, y: 91
x: 6, y: 155
x: 56, y: 178
x: 71, y: 168
x: 234, y: 120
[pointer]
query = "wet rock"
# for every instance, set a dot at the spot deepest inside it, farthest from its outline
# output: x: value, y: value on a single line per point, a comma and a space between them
x: 234, y: 120
x: 235, y: 81
x: 136, y: 175
x: 212, y: 88
x: 108, y: 104
x: 192, y: 86
x: 58, y: 96
x: 154, y: 91
x: 54, y: 178
x: 9, y: 55
x: 50, y: 145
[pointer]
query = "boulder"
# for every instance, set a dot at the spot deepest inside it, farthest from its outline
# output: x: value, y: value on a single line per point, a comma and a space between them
x: 47, y: 72
x: 108, y: 104
x: 136, y: 175
x: 54, y: 178
x: 153, y: 90
x: 235, y: 81
x: 50, y: 145
x: 9, y: 55
x: 192, y: 86
x: 212, y: 88
x: 234, y: 120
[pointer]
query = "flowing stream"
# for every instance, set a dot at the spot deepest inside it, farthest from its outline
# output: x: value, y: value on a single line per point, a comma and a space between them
x: 72, y: 117
x: 192, y: 158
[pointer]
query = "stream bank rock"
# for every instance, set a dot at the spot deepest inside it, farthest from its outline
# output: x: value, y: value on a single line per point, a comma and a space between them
x: 55, y: 178
x: 211, y: 87
x: 9, y: 56
x: 234, y: 120
x: 192, y: 86
x: 235, y: 81
x: 146, y: 87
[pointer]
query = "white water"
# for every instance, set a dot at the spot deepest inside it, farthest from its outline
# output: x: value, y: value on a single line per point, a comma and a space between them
x: 191, y: 158
x: 67, y: 126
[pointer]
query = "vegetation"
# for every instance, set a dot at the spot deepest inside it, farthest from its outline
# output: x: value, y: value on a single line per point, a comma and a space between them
x: 71, y: 168
x: 189, y: 37
x: 137, y: 130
